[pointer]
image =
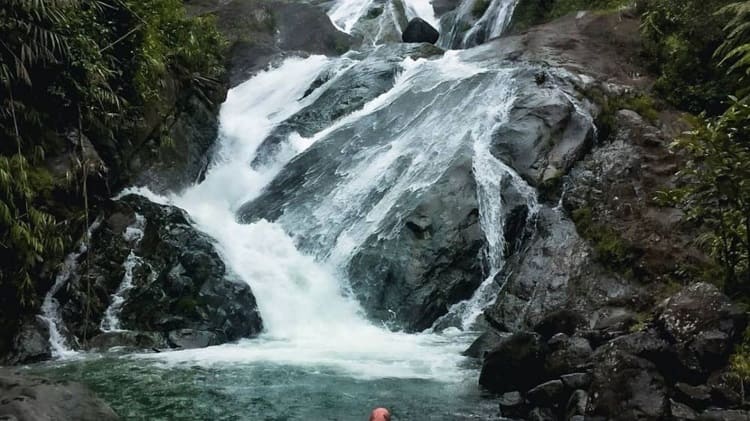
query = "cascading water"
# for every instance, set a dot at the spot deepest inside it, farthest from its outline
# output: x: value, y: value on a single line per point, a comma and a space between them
x: 383, y: 158
x: 462, y: 28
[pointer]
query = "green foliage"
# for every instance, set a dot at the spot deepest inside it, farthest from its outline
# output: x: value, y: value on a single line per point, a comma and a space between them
x: 715, y: 191
x: 69, y: 66
x: 611, y: 249
x: 739, y: 362
x: 735, y: 49
x: 679, y: 39
x: 645, y: 105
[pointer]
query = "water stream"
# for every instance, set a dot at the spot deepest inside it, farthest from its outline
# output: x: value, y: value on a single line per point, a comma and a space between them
x: 320, y: 357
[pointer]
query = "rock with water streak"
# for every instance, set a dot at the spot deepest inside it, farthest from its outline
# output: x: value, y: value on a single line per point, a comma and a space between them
x: 557, y: 271
x: 27, y: 398
x: 417, y: 30
x: 31, y: 343
x: 178, y: 282
x: 344, y: 93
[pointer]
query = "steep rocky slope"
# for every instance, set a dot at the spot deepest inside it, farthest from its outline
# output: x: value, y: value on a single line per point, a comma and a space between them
x: 591, y: 329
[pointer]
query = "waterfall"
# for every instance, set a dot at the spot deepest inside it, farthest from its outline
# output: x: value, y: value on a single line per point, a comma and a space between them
x: 462, y: 28
x: 133, y: 235
x: 51, y: 307
x: 396, y: 147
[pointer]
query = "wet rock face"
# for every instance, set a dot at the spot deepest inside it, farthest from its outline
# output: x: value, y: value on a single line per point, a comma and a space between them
x: 31, y: 343
x: 181, y: 295
x: 546, y: 135
x: 555, y: 285
x: 262, y: 31
x: 27, y: 398
x: 431, y: 262
x: 420, y: 31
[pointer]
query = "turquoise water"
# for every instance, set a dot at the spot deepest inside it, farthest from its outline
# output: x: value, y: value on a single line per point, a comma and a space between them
x: 140, y: 389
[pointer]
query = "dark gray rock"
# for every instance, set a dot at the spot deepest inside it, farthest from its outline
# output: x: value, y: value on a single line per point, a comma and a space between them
x: 31, y: 343
x: 726, y: 390
x: 560, y: 321
x: 545, y: 135
x: 542, y: 414
x: 576, y: 380
x: 704, y: 324
x: 261, y: 32
x: 649, y: 345
x: 626, y: 387
x: 190, y: 338
x: 192, y: 126
x: 617, y: 320
x: 512, y: 404
x: 698, y: 397
x: 417, y: 30
x: 549, y: 394
x: 724, y: 415
x: 26, y: 398
x: 127, y: 340
x: 442, y: 7
x: 432, y: 261
x: 556, y: 270
x: 486, y: 342
x: 569, y: 356
x: 517, y: 364
x: 179, y: 282
x: 682, y: 412
x: 577, y: 404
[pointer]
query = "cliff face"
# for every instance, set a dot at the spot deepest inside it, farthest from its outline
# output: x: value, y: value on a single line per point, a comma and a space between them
x: 584, y: 327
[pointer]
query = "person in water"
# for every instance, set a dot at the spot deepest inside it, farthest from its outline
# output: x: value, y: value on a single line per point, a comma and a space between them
x: 380, y: 414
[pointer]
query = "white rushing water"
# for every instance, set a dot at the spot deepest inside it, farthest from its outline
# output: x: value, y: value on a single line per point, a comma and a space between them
x: 309, y: 318
x: 133, y: 235
x: 51, y: 307
x: 346, y: 14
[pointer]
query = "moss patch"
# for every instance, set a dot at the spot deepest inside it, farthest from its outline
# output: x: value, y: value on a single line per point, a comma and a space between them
x: 612, y: 251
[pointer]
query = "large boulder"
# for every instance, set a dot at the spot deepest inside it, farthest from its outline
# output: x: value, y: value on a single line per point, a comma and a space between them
x: 418, y: 30
x: 150, y: 272
x: 704, y: 324
x: 517, y: 364
x: 567, y: 355
x: 31, y: 343
x: 626, y: 387
x: 556, y: 284
x: 26, y: 398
